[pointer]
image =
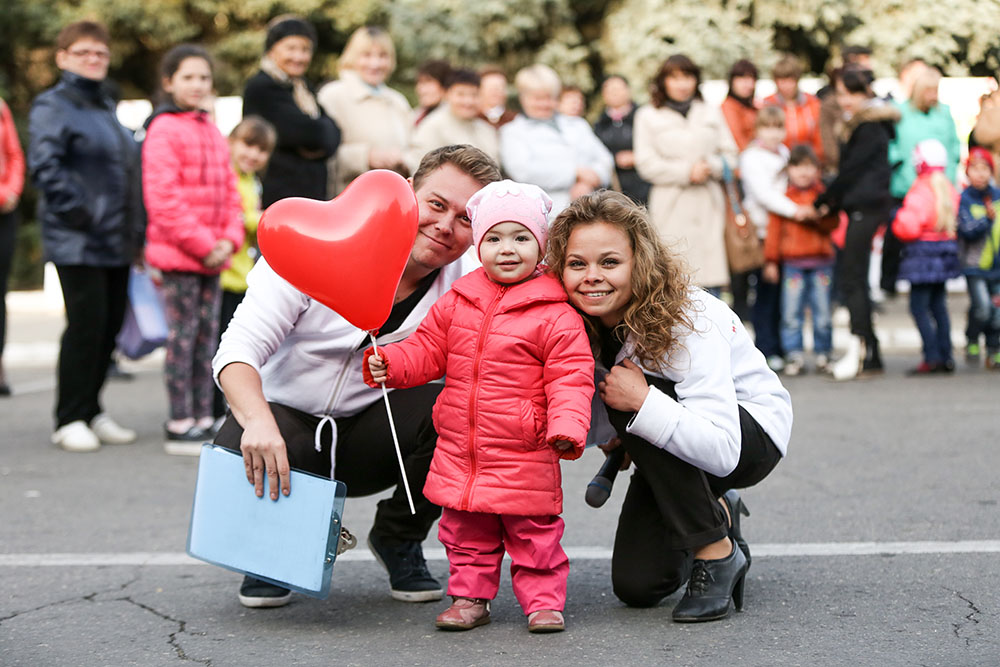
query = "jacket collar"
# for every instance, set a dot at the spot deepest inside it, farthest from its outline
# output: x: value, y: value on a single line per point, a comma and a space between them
x: 92, y: 91
x: 357, y: 88
x: 480, y: 290
x: 875, y: 111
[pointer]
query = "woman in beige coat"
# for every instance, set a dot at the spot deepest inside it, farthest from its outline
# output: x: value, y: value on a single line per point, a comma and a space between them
x: 375, y: 120
x: 681, y: 145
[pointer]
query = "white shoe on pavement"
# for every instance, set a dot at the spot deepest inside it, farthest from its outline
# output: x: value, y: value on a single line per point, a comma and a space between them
x: 76, y: 437
x: 111, y: 432
x: 847, y: 366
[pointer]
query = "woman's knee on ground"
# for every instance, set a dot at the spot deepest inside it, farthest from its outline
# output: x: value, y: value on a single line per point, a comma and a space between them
x: 636, y: 590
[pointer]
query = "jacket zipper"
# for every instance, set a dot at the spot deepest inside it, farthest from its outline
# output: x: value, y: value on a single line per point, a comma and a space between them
x: 473, y: 402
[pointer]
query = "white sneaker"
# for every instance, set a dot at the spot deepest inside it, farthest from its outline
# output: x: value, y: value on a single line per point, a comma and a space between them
x: 847, y: 366
x: 822, y: 363
x: 76, y: 437
x: 776, y: 363
x: 111, y: 432
x: 795, y: 364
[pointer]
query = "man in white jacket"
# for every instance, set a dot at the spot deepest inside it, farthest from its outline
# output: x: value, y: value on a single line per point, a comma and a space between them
x: 291, y: 371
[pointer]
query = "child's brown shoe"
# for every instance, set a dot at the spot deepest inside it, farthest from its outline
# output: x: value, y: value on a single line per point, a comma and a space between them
x: 546, y: 620
x: 464, y: 614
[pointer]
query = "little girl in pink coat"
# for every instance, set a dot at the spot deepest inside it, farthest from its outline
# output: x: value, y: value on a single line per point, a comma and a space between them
x: 518, y: 384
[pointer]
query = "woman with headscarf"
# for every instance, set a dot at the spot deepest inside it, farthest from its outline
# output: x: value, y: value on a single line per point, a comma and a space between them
x: 376, y: 120
x: 280, y: 94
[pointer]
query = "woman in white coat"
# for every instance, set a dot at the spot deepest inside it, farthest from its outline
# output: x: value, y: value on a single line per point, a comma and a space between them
x: 681, y: 145
x: 683, y: 390
x: 375, y: 120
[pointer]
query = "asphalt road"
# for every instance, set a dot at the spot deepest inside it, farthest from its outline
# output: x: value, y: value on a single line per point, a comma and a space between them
x: 876, y: 542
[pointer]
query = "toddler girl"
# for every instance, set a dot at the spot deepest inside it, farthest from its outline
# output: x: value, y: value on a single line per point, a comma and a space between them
x: 519, y: 377
x: 195, y: 222
x: 926, y: 224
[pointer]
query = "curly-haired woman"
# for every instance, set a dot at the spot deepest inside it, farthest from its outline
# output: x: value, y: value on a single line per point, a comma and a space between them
x: 687, y: 395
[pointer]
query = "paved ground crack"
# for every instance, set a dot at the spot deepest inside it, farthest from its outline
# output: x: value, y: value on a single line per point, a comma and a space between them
x: 89, y: 597
x: 174, y: 637
x: 969, y: 618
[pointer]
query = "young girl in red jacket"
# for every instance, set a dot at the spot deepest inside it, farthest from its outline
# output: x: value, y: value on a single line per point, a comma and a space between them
x: 926, y: 224
x: 519, y: 378
x: 195, y: 221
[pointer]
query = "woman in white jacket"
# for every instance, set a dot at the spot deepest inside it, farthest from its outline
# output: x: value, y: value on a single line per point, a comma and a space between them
x: 686, y: 394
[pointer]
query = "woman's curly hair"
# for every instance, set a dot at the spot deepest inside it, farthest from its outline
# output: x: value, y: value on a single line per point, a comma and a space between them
x: 658, y: 313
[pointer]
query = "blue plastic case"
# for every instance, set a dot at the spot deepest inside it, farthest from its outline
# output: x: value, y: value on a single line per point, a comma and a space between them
x: 291, y: 542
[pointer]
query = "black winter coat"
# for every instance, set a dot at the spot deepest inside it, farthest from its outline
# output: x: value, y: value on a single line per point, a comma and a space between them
x: 298, y: 165
x: 86, y: 167
x: 863, y: 172
x: 617, y: 136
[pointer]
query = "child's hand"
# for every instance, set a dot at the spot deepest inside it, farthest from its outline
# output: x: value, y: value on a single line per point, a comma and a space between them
x: 804, y: 212
x: 562, y: 445
x: 376, y: 364
x: 771, y: 273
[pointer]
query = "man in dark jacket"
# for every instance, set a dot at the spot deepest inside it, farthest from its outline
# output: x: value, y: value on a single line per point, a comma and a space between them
x: 85, y: 166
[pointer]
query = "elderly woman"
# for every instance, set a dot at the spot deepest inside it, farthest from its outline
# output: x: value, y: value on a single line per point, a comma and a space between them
x: 682, y: 146
x: 376, y: 120
x: 279, y: 93
x: 560, y: 154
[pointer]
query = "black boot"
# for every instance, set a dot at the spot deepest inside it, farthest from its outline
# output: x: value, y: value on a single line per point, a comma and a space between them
x: 737, y: 507
x: 873, y: 360
x: 714, y: 586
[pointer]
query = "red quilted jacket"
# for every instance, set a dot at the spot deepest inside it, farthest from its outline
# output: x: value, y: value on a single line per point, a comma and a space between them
x: 519, y: 374
x: 190, y: 192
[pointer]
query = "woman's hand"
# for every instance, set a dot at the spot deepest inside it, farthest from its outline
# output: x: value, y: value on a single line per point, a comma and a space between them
x: 377, y: 366
x: 624, y: 387
x: 771, y: 274
x: 384, y: 158
x: 625, y: 159
x: 700, y: 172
x: 220, y: 254
x: 613, y: 444
x: 10, y: 203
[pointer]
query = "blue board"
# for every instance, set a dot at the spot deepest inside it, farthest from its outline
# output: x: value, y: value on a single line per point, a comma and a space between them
x: 291, y: 542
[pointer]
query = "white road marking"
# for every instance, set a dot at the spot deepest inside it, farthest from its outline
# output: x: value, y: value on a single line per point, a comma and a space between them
x: 799, y: 550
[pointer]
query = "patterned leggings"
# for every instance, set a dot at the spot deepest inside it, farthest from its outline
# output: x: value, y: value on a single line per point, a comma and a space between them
x: 192, y: 303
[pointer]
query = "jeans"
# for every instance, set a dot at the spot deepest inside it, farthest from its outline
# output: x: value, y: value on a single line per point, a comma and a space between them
x: 984, y: 316
x: 766, y: 318
x: 799, y: 288
x: 927, y: 302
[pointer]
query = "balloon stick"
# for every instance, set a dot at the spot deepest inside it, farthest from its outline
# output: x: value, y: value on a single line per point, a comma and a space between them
x: 395, y: 438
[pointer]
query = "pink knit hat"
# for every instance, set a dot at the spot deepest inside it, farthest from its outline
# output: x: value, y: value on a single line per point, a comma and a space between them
x: 508, y: 201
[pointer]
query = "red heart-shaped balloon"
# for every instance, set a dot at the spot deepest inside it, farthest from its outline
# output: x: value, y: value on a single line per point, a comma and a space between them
x: 347, y: 253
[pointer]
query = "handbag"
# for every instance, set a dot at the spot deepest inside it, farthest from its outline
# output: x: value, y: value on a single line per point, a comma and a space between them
x: 743, y: 249
x: 144, y: 328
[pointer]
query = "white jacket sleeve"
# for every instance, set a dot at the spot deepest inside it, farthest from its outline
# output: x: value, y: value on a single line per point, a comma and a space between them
x: 530, y: 155
x: 268, y: 312
x: 764, y: 186
x: 702, y: 427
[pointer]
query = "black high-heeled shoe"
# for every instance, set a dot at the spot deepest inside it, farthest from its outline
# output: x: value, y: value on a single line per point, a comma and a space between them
x: 714, y: 588
x: 737, y: 507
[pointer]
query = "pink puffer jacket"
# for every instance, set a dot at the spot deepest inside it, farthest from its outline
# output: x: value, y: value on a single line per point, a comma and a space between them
x: 519, y: 375
x: 190, y: 192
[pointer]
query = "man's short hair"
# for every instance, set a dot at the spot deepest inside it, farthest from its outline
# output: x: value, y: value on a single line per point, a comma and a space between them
x: 74, y: 32
x: 789, y: 67
x: 481, y: 167
x: 463, y: 76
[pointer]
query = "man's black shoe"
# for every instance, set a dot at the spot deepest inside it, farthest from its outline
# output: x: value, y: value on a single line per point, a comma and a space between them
x: 256, y: 594
x: 409, y: 578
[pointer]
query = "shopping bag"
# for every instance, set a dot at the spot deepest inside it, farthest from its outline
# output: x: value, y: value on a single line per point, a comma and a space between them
x: 291, y: 542
x: 145, y: 326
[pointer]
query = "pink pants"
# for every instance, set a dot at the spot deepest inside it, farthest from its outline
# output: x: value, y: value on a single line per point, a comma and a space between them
x: 475, y: 542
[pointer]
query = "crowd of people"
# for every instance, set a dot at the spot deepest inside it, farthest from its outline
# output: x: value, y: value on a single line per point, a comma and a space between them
x: 628, y: 216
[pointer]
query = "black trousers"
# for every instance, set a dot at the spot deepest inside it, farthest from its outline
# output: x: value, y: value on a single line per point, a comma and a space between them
x: 853, y: 270
x: 366, y: 457
x: 671, y: 509
x: 230, y: 300
x: 8, y: 239
x: 95, y: 298
x: 892, y: 252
